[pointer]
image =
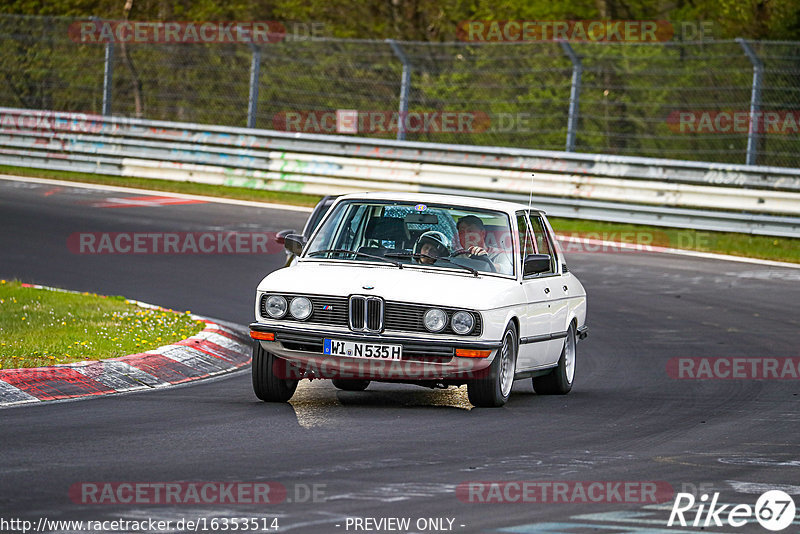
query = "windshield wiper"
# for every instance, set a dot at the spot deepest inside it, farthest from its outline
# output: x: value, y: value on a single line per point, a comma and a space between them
x: 345, y: 251
x: 418, y: 256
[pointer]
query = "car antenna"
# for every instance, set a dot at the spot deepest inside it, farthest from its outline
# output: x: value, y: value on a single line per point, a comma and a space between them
x: 530, y: 196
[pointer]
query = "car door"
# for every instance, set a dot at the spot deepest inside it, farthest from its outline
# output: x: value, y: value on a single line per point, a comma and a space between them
x: 557, y: 284
x: 536, y: 321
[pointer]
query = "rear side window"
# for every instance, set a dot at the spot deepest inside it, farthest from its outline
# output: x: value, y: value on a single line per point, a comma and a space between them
x: 542, y: 243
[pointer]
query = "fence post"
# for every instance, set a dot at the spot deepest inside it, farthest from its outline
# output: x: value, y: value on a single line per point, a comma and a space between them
x: 755, y: 102
x: 574, y: 95
x: 405, y: 87
x: 108, y: 73
x: 255, y: 72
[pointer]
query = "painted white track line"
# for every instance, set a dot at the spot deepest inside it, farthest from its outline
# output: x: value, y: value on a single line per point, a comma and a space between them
x: 120, y: 189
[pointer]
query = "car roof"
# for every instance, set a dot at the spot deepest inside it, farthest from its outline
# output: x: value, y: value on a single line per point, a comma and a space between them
x: 471, y: 202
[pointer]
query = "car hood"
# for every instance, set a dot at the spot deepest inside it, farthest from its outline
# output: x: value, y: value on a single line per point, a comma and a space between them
x: 423, y: 286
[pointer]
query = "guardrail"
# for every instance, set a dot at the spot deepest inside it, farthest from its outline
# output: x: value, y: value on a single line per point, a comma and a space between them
x: 704, y: 196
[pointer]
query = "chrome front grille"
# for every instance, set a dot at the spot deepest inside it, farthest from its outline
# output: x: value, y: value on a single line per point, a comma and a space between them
x: 362, y: 313
x: 366, y: 314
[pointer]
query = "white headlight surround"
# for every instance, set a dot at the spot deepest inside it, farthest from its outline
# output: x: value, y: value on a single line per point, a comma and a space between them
x: 462, y: 322
x: 435, y: 320
x: 300, y: 308
x: 276, y: 306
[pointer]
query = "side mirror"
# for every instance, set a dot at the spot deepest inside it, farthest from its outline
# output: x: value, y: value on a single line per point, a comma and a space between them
x: 281, y: 236
x: 536, y: 264
x: 294, y: 243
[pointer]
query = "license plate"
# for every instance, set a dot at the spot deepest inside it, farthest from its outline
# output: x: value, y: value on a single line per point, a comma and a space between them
x: 357, y: 349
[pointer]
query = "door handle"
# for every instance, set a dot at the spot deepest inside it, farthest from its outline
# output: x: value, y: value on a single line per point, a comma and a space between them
x: 566, y: 288
x: 547, y: 290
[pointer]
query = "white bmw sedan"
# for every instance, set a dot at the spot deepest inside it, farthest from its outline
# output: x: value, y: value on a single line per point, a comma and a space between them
x: 426, y: 289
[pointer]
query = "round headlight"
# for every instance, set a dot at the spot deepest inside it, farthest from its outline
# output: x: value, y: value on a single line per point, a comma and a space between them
x: 300, y: 308
x: 462, y: 322
x: 435, y: 319
x: 276, y: 306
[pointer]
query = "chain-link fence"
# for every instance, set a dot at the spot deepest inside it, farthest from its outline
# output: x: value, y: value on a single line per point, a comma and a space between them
x: 684, y: 100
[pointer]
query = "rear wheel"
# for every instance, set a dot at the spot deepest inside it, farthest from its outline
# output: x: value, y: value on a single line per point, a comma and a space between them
x: 350, y: 385
x: 559, y: 380
x: 267, y: 386
x: 494, y: 389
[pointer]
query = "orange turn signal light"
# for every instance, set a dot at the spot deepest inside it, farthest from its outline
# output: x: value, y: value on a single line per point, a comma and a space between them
x: 467, y: 353
x: 263, y: 336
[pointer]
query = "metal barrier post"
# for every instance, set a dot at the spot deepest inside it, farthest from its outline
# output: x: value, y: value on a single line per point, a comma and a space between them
x: 108, y: 76
x: 405, y: 87
x: 755, y: 102
x: 255, y: 71
x: 108, y: 73
x: 574, y: 95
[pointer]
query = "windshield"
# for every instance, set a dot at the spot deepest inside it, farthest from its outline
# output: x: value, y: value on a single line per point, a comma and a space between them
x: 423, y: 235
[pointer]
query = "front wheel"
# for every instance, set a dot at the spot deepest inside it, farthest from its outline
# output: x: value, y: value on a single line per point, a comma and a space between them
x: 494, y: 389
x: 266, y: 384
x: 559, y: 380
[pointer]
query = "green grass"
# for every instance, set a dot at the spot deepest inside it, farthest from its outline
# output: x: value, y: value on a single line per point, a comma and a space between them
x: 40, y: 327
x: 763, y: 247
x: 189, y: 188
x: 735, y: 244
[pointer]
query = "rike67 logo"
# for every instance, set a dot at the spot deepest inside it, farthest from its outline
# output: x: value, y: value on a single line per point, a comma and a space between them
x: 774, y: 510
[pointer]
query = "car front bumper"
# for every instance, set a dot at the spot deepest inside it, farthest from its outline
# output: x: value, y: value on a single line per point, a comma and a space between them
x: 424, y: 359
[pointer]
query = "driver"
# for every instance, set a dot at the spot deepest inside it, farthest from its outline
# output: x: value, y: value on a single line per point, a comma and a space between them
x: 434, y: 244
x: 472, y: 234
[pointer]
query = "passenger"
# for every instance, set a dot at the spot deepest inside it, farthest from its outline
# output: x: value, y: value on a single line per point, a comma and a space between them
x: 472, y: 234
x: 431, y: 245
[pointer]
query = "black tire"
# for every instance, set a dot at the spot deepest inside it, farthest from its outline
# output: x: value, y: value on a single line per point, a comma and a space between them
x: 559, y: 381
x: 494, y: 389
x: 350, y: 384
x: 267, y: 386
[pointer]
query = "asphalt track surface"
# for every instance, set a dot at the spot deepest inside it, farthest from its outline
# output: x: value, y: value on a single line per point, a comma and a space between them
x: 401, y: 451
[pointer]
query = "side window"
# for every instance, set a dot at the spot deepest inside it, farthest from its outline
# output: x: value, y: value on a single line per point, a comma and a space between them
x: 542, y: 242
x: 525, y: 240
x: 316, y: 217
x: 352, y: 225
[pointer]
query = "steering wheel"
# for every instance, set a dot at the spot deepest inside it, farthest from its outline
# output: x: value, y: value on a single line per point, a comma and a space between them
x: 480, y: 257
